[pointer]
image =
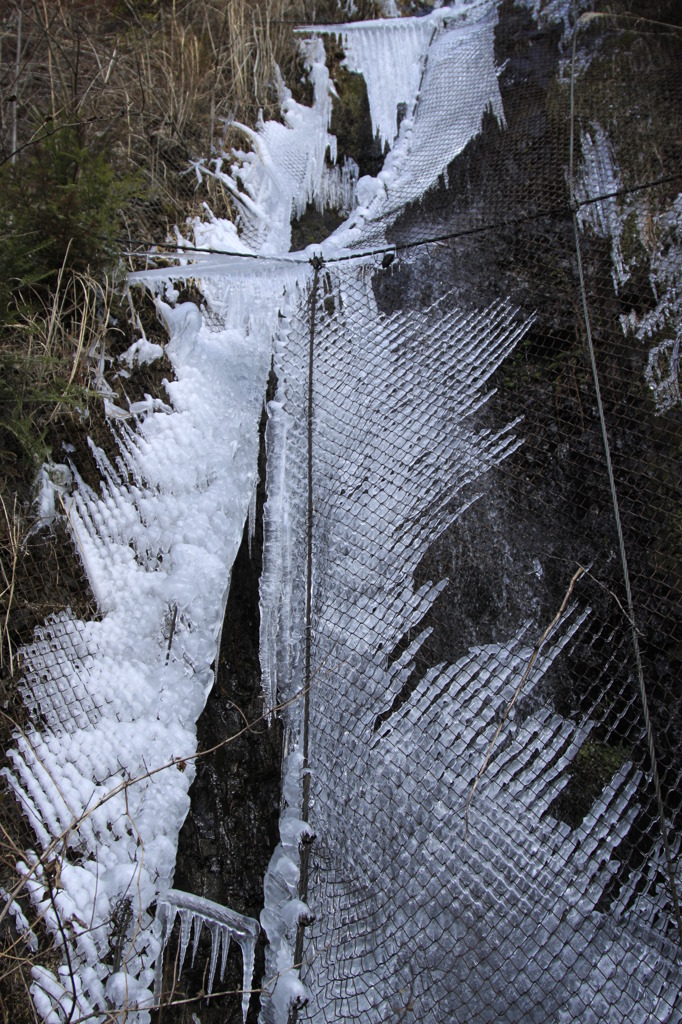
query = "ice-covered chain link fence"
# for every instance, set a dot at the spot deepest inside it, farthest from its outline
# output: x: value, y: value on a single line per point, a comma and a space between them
x: 456, y: 435
x: 459, y: 480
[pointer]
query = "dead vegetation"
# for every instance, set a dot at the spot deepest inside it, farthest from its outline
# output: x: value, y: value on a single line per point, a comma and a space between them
x: 155, y: 84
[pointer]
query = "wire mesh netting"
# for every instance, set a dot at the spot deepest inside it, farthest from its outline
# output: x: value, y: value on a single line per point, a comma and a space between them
x: 485, y: 575
x: 46, y: 594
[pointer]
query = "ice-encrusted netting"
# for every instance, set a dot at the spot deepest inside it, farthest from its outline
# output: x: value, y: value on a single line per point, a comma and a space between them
x: 119, y: 696
x: 440, y: 556
x: 502, y: 924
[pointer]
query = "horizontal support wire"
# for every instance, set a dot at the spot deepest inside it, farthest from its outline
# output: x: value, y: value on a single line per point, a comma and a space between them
x: 565, y: 210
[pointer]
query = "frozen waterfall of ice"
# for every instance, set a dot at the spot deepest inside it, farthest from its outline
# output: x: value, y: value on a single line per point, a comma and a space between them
x: 111, y: 766
x: 118, y: 695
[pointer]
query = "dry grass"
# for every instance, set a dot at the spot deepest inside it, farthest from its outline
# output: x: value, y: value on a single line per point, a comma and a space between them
x: 156, y: 84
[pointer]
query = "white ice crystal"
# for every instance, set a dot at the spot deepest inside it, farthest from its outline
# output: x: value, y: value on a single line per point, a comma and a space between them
x: 598, y: 176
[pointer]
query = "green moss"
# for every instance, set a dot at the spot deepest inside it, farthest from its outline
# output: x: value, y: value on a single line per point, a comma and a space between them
x: 631, y: 245
x: 593, y: 768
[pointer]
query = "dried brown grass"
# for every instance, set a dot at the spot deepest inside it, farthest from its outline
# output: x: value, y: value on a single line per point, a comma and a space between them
x: 154, y: 85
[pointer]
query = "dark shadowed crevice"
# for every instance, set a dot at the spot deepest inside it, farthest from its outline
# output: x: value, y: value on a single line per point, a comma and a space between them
x: 232, y: 828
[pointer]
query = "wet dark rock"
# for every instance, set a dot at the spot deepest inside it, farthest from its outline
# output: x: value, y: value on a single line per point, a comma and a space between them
x: 548, y: 509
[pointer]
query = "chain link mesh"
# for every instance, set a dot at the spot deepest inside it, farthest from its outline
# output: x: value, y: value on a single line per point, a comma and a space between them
x: 466, y: 568
x: 492, y: 844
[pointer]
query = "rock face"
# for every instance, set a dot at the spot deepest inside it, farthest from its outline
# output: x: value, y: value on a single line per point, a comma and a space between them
x: 551, y: 506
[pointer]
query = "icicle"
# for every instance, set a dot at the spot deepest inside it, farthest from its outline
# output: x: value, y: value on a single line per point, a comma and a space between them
x: 248, y: 945
x: 252, y: 512
x: 165, y: 915
x: 226, y: 946
x: 276, y: 581
x: 198, y: 925
x: 186, y: 919
x: 224, y: 925
x: 216, y: 933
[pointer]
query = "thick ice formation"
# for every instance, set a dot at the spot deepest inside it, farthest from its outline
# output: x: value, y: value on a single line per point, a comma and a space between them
x: 284, y: 911
x: 286, y: 169
x: 460, y: 84
x: 119, y: 697
x: 372, y: 47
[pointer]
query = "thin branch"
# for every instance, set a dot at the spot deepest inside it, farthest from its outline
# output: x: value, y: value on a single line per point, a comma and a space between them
x: 60, y: 128
x: 67, y: 952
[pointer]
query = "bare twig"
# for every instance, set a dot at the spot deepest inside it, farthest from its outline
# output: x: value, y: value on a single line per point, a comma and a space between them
x: 67, y: 952
x: 9, y: 574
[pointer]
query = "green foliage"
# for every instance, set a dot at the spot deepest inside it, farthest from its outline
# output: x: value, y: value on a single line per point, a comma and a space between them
x: 595, y: 765
x: 34, y: 389
x: 60, y: 207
